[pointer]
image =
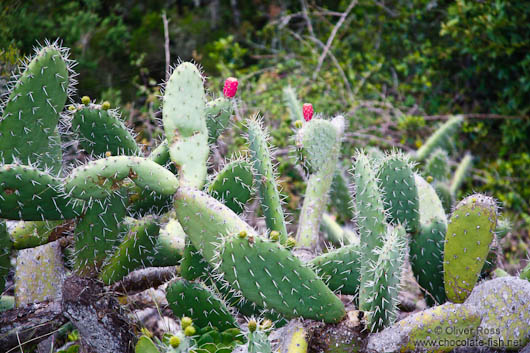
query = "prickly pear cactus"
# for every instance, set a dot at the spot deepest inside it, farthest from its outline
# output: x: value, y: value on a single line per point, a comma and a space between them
x: 233, y: 185
x: 396, y: 180
x: 437, y: 165
x: 29, y: 194
x: 440, y: 137
x: 427, y: 245
x: 269, y: 275
x: 469, y: 235
x: 196, y: 301
x: 340, y: 269
x: 266, y: 177
x: 101, y: 131
x: 31, y: 113
x: 321, y: 139
x: 218, y: 113
x: 184, y: 117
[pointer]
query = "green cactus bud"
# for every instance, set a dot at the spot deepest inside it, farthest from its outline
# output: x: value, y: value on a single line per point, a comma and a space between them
x: 252, y: 325
x: 105, y: 105
x: 252, y: 267
x: 190, y: 331
x: 469, y: 235
x: 298, y: 124
x: 85, y: 100
x: 174, y: 341
x: 184, y: 117
x: 274, y: 235
x: 185, y: 322
x: 199, y: 303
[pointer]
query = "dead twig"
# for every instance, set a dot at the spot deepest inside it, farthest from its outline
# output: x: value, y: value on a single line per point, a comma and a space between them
x: 332, y: 37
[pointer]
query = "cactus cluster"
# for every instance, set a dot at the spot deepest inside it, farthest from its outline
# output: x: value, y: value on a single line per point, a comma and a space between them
x: 127, y: 210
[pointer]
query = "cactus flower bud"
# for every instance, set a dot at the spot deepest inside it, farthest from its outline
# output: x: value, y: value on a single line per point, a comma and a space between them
x: 105, y: 105
x: 185, y: 322
x: 252, y: 325
x: 189, y: 331
x: 174, y: 341
x: 230, y: 87
x: 85, y: 100
x: 308, y: 111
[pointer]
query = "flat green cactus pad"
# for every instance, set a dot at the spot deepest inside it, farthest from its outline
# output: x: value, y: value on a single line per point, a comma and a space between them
x: 269, y: 275
x: 340, y: 269
x: 203, y: 306
x: 233, y: 185
x: 33, y: 195
x: 101, y: 131
x: 31, y: 114
x: 218, y: 113
x: 99, y: 178
x: 184, y: 117
x: 467, y: 243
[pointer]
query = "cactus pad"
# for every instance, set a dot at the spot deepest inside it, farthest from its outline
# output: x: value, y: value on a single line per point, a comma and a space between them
x: 233, y: 185
x: 32, y: 195
x: 196, y: 301
x: 31, y: 114
x: 400, y: 194
x: 426, y: 246
x: 340, y: 269
x: 218, y: 113
x: 266, y: 178
x: 99, y: 178
x: 467, y: 243
x: 101, y: 131
x: 206, y: 220
x: 184, y: 117
x: 270, y: 276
